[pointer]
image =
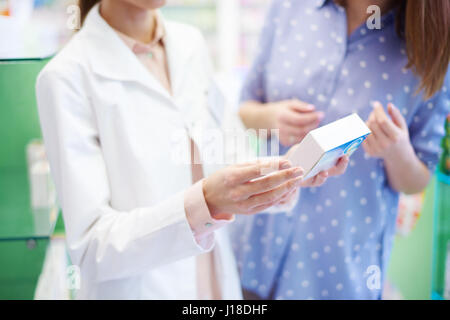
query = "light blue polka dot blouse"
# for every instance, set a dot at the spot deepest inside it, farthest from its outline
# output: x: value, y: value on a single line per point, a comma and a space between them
x: 337, y: 238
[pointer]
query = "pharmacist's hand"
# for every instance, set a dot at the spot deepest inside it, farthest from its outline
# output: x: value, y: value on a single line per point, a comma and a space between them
x: 234, y: 190
x: 322, y: 177
x: 390, y: 136
x: 293, y: 118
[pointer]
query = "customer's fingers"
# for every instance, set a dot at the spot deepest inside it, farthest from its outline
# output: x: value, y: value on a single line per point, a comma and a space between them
x: 321, y: 178
x: 301, y: 106
x: 317, y: 180
x: 302, y: 119
x: 386, y: 125
x: 397, y: 116
x: 340, y: 166
x: 294, y: 131
x: 382, y: 140
x: 368, y: 145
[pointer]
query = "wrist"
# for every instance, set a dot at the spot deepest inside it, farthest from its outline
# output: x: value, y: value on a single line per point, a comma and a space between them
x: 402, y: 154
x: 214, y: 211
x: 267, y: 117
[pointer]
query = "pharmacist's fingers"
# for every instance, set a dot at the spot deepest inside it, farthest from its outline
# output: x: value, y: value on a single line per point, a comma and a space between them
x: 272, y: 196
x: 256, y: 169
x: 281, y: 201
x: 340, y: 166
x: 259, y: 209
x: 386, y: 125
x: 287, y: 197
x: 269, y: 182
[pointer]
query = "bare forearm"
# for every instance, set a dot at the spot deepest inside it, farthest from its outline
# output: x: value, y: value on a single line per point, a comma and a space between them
x: 254, y: 115
x: 406, y: 173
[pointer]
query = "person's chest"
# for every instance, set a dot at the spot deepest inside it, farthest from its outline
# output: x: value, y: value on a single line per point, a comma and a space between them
x: 146, y: 130
x: 314, y: 60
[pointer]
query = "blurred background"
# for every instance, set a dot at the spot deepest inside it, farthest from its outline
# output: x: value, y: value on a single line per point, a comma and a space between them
x: 33, y: 258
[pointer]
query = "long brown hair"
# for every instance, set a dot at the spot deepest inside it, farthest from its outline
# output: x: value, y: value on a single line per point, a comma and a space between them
x: 425, y: 26
x: 85, y: 6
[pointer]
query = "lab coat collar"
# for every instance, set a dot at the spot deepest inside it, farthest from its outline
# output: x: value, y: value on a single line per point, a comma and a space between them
x: 110, y: 57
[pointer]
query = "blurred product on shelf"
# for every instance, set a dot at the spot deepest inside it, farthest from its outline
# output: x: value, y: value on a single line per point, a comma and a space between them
x: 409, y: 209
x: 445, y: 161
x: 42, y: 190
x: 20, y: 9
x: 231, y: 44
x: 447, y: 274
x: 35, y: 28
x: 441, y: 233
x: 252, y: 14
x: 391, y: 292
x: 4, y: 8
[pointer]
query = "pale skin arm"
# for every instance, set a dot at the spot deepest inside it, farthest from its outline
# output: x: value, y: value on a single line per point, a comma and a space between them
x: 390, y: 141
x: 293, y: 118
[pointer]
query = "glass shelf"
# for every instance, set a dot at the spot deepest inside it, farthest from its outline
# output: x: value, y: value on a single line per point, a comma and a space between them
x: 18, y: 221
x: 441, y: 242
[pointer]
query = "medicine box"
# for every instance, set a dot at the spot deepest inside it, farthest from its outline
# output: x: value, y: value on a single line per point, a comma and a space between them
x: 322, y: 147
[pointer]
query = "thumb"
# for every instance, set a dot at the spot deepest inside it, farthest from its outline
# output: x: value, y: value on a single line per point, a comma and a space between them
x: 397, y: 116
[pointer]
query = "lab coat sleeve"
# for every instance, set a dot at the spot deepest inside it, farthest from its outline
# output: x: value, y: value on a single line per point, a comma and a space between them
x: 106, y: 244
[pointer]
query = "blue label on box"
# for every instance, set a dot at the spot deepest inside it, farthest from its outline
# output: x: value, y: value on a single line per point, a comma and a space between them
x: 330, y: 158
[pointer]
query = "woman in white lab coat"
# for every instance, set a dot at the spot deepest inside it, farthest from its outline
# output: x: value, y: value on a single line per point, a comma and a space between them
x: 139, y: 218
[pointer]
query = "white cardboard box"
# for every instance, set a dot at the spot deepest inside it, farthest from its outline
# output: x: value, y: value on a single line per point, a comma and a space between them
x: 322, y: 147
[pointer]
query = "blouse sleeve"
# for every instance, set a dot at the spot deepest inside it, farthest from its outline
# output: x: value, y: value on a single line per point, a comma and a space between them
x: 427, y: 126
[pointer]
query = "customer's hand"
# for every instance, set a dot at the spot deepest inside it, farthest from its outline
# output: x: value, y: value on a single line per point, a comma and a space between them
x: 293, y: 118
x: 322, y: 177
x: 390, y: 136
x: 249, y: 188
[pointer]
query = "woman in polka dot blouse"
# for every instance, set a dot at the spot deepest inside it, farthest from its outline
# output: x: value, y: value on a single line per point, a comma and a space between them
x: 319, y: 61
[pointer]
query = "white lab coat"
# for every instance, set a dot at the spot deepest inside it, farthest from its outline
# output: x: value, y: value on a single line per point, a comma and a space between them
x: 109, y: 129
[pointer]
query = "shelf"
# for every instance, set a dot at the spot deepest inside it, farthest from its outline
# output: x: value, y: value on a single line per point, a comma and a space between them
x: 18, y: 221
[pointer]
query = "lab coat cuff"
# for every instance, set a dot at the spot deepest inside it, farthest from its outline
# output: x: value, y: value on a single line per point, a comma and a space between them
x: 199, y: 217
